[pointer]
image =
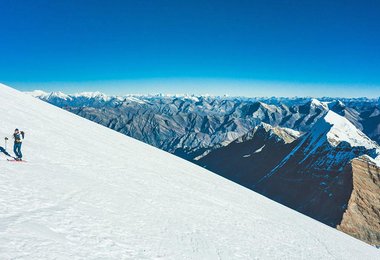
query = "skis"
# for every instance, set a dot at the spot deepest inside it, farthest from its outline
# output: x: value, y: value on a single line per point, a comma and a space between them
x: 14, y: 160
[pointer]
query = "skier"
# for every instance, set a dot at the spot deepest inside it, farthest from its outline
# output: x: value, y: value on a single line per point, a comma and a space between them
x: 18, y: 136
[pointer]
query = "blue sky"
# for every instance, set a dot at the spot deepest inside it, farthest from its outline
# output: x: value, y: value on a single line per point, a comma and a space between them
x: 241, y: 47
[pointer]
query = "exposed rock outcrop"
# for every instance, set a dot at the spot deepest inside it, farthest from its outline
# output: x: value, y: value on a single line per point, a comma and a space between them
x: 362, y: 216
x: 251, y: 156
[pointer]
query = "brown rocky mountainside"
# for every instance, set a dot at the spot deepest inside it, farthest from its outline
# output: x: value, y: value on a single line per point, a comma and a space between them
x: 318, y: 174
x: 362, y: 216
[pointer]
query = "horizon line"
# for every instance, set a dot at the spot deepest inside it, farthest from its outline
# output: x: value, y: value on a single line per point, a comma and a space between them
x: 194, y: 95
x: 205, y: 87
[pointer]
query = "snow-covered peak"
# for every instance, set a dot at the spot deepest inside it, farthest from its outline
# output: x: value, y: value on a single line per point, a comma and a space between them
x: 342, y: 130
x: 59, y: 94
x: 38, y: 93
x: 336, y: 105
x: 375, y: 112
x: 89, y: 95
x: 286, y: 135
x: 133, y: 99
x: 318, y: 104
x: 340, y: 103
x: 268, y: 107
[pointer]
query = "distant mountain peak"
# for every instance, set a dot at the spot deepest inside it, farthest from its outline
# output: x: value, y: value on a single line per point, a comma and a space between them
x: 318, y: 104
x: 335, y: 130
x: 284, y: 134
x: 344, y: 130
x: 90, y: 94
x: 37, y: 93
x: 59, y: 94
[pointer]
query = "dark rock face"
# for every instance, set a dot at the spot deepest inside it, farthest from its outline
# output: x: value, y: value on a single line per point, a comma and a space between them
x: 247, y: 159
x: 361, y: 218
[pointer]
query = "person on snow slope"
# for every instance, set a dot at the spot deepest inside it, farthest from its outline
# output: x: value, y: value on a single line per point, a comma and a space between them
x: 18, y: 137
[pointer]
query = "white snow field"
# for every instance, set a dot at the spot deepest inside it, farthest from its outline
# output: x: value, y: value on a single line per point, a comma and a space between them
x: 88, y: 192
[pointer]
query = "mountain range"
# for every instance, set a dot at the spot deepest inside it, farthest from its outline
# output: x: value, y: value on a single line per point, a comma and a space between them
x: 319, y: 157
x: 87, y: 192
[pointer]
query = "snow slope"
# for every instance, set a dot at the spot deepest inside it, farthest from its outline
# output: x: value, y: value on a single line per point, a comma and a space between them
x: 88, y: 192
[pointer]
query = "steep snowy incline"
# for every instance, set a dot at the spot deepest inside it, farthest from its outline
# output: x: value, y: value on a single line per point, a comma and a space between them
x: 88, y: 192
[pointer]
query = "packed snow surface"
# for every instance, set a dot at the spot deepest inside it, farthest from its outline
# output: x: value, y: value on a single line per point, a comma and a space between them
x: 88, y: 192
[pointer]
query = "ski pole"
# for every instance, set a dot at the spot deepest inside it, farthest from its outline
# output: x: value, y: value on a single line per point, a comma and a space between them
x: 5, y: 139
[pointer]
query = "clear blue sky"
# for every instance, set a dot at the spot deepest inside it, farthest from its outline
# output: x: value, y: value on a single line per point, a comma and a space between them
x: 237, y: 47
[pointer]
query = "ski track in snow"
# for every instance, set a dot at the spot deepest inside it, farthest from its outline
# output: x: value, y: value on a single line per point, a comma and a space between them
x: 88, y: 192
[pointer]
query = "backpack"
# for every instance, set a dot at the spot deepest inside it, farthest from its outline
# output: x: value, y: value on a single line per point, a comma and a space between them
x: 19, y: 137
